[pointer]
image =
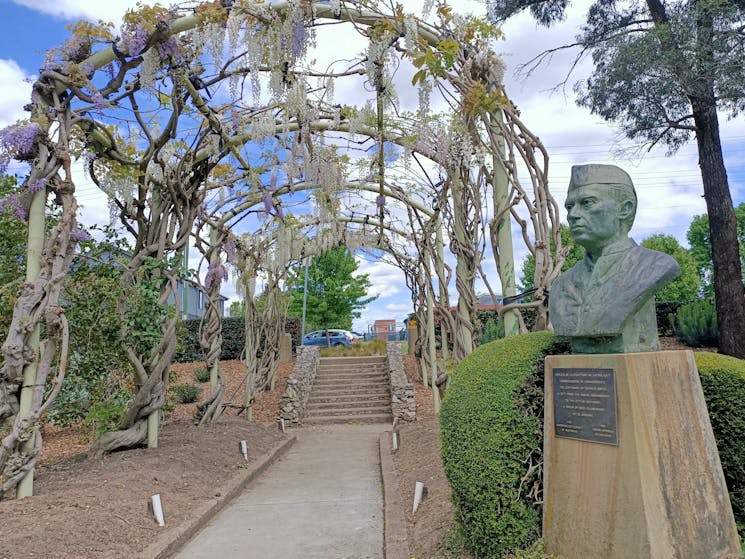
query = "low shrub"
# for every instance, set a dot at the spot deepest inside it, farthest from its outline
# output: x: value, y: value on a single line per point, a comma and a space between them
x: 696, y: 324
x: 357, y: 349
x: 492, y: 432
x: 723, y: 381
x: 185, y: 393
x: 665, y: 311
x: 492, y: 436
x: 107, y: 415
x: 202, y: 375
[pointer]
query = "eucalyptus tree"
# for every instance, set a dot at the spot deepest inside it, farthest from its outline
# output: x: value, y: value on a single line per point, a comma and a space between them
x: 663, y: 71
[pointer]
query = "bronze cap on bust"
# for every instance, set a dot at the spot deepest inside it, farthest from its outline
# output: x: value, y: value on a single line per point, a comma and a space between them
x: 596, y: 173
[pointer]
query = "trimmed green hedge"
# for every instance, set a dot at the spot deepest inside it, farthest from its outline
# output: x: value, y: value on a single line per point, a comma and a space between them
x: 492, y: 428
x: 233, y: 338
x: 492, y: 433
x: 723, y: 381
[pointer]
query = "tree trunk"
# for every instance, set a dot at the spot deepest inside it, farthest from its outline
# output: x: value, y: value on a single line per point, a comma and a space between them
x: 728, y: 284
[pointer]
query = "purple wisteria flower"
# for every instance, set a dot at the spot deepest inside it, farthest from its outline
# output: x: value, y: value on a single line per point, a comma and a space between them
x: 216, y: 274
x: 298, y: 37
x: 75, y: 48
x: 80, y: 235
x: 380, y: 201
x: 51, y: 64
x: 231, y: 250
x: 170, y: 48
x: 87, y: 68
x: 97, y: 97
x: 37, y: 185
x: 273, y: 180
x: 268, y: 202
x: 12, y: 204
x: 17, y: 141
x: 133, y: 40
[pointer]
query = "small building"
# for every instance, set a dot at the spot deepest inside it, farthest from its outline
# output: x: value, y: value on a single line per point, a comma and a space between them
x: 385, y: 326
x: 194, y: 301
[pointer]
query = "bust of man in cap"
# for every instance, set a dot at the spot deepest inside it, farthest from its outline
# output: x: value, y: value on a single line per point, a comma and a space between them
x: 605, y: 303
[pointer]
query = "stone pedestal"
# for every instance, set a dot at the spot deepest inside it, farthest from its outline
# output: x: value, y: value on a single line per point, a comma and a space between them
x: 650, y: 484
x: 285, y: 348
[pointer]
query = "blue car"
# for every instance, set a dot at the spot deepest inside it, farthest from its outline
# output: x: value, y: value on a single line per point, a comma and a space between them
x: 336, y: 338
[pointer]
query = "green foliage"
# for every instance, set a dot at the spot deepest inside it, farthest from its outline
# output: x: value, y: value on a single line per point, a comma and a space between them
x: 185, y: 393
x: 535, y: 551
x: 97, y: 365
x: 700, y: 242
x: 696, y: 324
x: 357, y: 349
x: 686, y: 287
x: 145, y: 315
x: 491, y: 431
x: 237, y: 309
x: 723, y: 381
x: 493, y: 330
x: 666, y: 311
x: 107, y: 415
x: 202, y: 375
x: 335, y: 295
x: 13, y: 233
x: 233, y: 338
x: 575, y: 254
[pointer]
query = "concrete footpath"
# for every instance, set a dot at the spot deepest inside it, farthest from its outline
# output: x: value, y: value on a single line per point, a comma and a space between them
x: 323, y: 499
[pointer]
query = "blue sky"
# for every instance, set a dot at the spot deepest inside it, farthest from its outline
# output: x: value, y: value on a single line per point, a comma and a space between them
x: 669, y: 188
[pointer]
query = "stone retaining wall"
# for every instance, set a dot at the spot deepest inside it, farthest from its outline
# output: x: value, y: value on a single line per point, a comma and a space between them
x: 293, y: 401
x: 403, y: 404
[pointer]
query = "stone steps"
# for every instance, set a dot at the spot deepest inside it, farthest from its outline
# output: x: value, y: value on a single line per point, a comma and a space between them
x: 378, y: 396
x: 361, y: 379
x: 350, y: 390
x: 352, y: 374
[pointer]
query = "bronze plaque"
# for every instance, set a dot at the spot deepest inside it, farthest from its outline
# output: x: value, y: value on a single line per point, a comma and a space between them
x: 585, y: 405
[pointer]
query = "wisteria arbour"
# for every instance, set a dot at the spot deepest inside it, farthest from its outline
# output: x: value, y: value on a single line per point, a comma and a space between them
x: 227, y: 123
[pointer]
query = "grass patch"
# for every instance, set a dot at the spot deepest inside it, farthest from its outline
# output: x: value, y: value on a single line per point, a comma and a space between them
x: 357, y: 349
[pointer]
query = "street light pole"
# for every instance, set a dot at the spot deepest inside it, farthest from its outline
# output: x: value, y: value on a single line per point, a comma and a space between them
x: 305, y: 300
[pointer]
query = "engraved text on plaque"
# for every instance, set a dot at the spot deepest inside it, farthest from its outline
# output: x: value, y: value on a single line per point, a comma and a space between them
x: 585, y: 404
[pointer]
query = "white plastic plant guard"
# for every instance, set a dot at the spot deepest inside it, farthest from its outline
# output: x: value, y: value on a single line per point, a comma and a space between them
x: 158, y: 510
x: 418, y: 495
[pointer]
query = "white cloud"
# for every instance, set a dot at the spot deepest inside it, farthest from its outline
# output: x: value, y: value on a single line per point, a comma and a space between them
x: 15, y: 92
x: 110, y: 10
x: 385, y: 279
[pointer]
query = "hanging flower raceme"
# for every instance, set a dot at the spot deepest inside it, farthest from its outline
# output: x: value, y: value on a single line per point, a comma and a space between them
x: 17, y: 141
x: 80, y: 235
x: 266, y: 197
x: 134, y: 38
x: 231, y: 250
x: 216, y: 274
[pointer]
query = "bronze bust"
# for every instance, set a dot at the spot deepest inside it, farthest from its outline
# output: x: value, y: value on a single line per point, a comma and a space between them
x: 605, y: 303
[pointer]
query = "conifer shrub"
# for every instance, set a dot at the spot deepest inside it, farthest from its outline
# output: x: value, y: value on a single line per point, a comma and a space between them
x: 492, y: 433
x: 696, y: 324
